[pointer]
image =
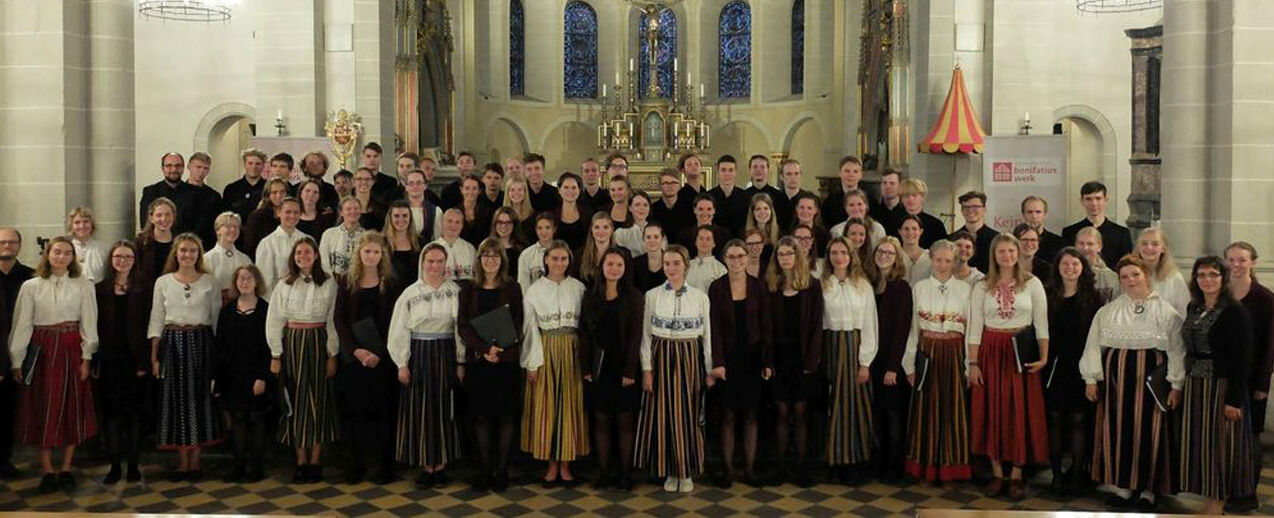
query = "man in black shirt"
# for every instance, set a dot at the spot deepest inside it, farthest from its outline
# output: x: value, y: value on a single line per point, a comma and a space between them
x: 913, y: 192
x: 851, y: 176
x: 206, y: 200
x: 732, y: 202
x: 691, y: 168
x: 593, y: 194
x: 671, y: 210
x: 1035, y: 213
x: 465, y: 165
x: 790, y: 176
x: 492, y: 180
x: 973, y: 208
x: 883, y: 212
x: 759, y: 173
x: 175, y: 189
x: 543, y: 195
x: 1116, y: 239
x: 383, y: 183
x: 12, y: 274
x: 243, y: 195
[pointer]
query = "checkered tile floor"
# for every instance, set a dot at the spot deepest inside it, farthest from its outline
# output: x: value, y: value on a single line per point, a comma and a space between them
x: 276, y: 496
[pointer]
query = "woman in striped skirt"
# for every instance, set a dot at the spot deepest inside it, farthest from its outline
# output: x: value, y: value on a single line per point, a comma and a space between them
x: 301, y: 331
x: 423, y: 344
x: 1130, y: 337
x: 183, y: 316
x: 676, y: 331
x: 55, y: 321
x: 1217, y: 446
x: 554, y: 427
x: 938, y: 431
x: 1009, y: 421
x: 849, y: 347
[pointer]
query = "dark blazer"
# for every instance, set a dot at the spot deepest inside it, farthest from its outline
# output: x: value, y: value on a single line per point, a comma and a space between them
x: 591, y: 326
x: 732, y: 210
x: 242, y: 198
x: 893, y: 314
x: 1231, y: 341
x: 1260, y: 306
x: 207, y: 206
x: 981, y: 247
x: 546, y: 200
x: 757, y: 311
x: 182, y: 196
x: 383, y: 184
x: 1050, y: 245
x: 133, y: 316
x: 346, y: 315
x: 809, y: 329
x: 475, y: 348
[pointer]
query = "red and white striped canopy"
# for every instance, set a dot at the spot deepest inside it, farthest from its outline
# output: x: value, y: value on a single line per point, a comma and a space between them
x: 957, y: 130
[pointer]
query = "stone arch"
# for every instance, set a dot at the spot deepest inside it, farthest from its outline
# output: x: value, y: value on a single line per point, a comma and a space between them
x: 219, y: 116
x: 510, y: 123
x: 1097, y: 123
x: 790, y: 132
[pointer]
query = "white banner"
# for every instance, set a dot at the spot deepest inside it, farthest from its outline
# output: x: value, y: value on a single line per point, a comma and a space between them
x: 1015, y: 167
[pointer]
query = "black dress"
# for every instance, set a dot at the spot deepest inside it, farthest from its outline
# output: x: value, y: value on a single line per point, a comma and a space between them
x: 741, y: 390
x: 790, y: 382
x: 494, y: 388
x: 242, y: 357
x: 406, y: 265
x: 511, y: 255
x: 607, y: 394
x: 1068, y: 333
x: 574, y: 233
x: 643, y: 278
x: 121, y: 354
x: 370, y: 392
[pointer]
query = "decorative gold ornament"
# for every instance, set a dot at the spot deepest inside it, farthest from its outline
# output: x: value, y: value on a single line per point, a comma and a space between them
x: 343, y: 128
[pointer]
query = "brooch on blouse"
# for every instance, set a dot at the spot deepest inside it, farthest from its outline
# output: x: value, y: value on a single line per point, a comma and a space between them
x: 1139, y: 309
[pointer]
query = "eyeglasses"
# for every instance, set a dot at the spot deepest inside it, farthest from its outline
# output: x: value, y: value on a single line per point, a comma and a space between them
x: 735, y: 257
x: 785, y: 253
x: 1208, y: 275
x: 491, y: 256
x: 670, y: 182
x: 804, y: 238
x: 503, y: 222
x: 123, y: 257
x: 757, y: 243
x: 1030, y: 240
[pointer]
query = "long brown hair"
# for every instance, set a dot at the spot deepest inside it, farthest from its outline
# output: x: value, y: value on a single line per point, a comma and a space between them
x: 147, y: 235
x: 388, y: 230
x: 135, y: 281
x: 1020, y: 275
x: 855, y: 266
x: 491, y: 245
x: 897, y: 272
x: 590, y: 260
x: 384, y: 270
x: 774, y: 276
x: 316, y: 272
x: 170, y: 264
x: 45, y: 269
x: 265, y: 193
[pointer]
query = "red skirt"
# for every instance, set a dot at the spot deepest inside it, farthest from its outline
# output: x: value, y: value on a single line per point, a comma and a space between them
x: 1008, y: 409
x: 56, y: 409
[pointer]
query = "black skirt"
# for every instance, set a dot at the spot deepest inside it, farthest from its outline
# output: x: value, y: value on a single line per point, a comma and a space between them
x: 608, y: 395
x: 495, y: 389
x: 741, y: 388
x: 790, y: 383
x: 368, y: 392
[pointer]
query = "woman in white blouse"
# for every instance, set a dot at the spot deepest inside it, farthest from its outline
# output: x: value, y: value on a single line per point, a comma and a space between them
x: 675, y: 333
x: 275, y: 251
x: 81, y: 225
x: 1009, y: 422
x: 849, y: 346
x: 916, y: 259
x: 554, y: 426
x: 424, y: 345
x: 461, y: 255
x: 631, y: 237
x: 856, y: 206
x: 1131, y: 337
x: 704, y: 268
x: 224, y: 258
x: 183, y: 317
x: 301, y: 333
x: 1165, y: 278
x: 55, y: 323
x: 531, y: 260
x: 337, y: 245
x: 938, y: 436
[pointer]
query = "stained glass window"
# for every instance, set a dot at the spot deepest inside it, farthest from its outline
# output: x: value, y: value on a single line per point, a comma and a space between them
x: 735, y: 60
x: 663, y: 59
x: 517, y: 49
x: 798, y: 47
x: 581, y: 51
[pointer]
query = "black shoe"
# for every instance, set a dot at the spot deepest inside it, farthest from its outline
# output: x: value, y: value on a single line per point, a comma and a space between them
x: 176, y: 476
x: 1118, y: 503
x: 500, y: 482
x: 66, y: 481
x: 194, y: 476
x: 354, y: 475
x: 113, y: 475
x: 441, y: 479
x: 1241, y: 505
x: 302, y: 474
x: 48, y: 483
x: 724, y: 480
x: 751, y: 480
x: 134, y: 474
x: 425, y: 480
x: 235, y: 474
x: 256, y: 473
x: 8, y: 471
x: 550, y: 484
x: 386, y: 476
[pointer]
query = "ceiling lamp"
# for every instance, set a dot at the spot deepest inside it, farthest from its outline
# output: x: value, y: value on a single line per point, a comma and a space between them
x: 1117, y: 6
x: 187, y: 10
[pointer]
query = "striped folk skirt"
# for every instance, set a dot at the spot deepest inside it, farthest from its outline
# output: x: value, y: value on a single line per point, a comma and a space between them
x: 187, y: 418
x: 1131, y: 446
x: 56, y: 409
x: 670, y: 425
x: 1216, y: 455
x: 426, y: 433
x: 850, y: 438
x: 314, y: 419
x: 938, y: 440
x: 554, y: 426
x: 1009, y: 420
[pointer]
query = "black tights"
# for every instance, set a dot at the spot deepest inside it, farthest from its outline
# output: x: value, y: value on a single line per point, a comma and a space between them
x: 602, y: 433
x: 749, y: 440
x: 785, y: 412
x: 124, y: 437
x: 890, y: 423
x: 370, y: 435
x: 483, y: 425
x: 1072, y: 427
x: 248, y: 431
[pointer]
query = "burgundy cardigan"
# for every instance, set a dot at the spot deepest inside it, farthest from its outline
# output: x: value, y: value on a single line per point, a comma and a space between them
x: 809, y: 329
x: 475, y: 348
x: 893, y: 312
x: 346, y: 315
x: 756, y: 310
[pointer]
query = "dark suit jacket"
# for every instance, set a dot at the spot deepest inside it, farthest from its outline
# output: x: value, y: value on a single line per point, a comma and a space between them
x: 475, y: 347
x: 207, y: 206
x: 723, y: 320
x: 182, y: 195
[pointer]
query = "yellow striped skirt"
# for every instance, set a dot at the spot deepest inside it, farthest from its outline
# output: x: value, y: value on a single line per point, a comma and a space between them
x: 554, y: 426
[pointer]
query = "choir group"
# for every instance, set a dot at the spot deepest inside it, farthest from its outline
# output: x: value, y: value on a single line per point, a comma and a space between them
x: 348, y: 311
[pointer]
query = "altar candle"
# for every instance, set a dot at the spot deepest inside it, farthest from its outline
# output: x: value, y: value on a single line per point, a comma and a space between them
x: 280, y: 116
x: 630, y: 64
x: 603, y: 90
x: 674, y: 64
x: 700, y: 89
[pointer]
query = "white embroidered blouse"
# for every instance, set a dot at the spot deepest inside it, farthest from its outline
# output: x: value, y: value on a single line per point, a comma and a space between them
x: 1007, y: 309
x: 678, y: 315
x: 57, y: 299
x: 423, y: 309
x: 940, y: 307
x: 303, y: 302
x: 177, y: 303
x: 223, y: 262
x: 1126, y: 324
x: 851, y: 305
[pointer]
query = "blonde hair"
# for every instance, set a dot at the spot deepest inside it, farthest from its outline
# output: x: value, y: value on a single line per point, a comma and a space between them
x: 148, y: 230
x: 770, y: 230
x: 523, y: 208
x: 855, y: 265
x: 913, y: 186
x: 81, y: 212
x: 224, y: 219
x: 44, y: 269
x: 384, y: 270
x: 170, y: 264
x: 1167, y: 267
x: 1020, y: 275
x: 388, y: 230
x: 774, y: 276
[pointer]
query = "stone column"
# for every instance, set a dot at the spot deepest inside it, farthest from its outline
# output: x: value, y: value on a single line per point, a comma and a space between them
x: 1147, y: 60
x: 111, y: 133
x: 1184, y: 128
x: 290, y: 73
x: 374, y: 71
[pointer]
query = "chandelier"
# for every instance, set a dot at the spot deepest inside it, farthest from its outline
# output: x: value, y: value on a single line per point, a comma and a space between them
x: 1117, y: 6
x: 187, y: 10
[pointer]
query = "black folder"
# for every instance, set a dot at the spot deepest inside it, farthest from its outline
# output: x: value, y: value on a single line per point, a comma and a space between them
x: 1026, y: 347
x: 922, y: 369
x: 1157, y: 382
x: 29, y: 362
x: 496, y: 327
x: 366, y: 335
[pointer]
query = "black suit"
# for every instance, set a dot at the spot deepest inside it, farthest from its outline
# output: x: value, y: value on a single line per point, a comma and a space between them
x: 207, y: 205
x: 596, y: 202
x: 732, y: 210
x: 241, y: 197
x: 382, y: 184
x: 675, y: 218
x: 1116, y: 239
x: 10, y: 283
x: 1050, y: 245
x: 182, y: 195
